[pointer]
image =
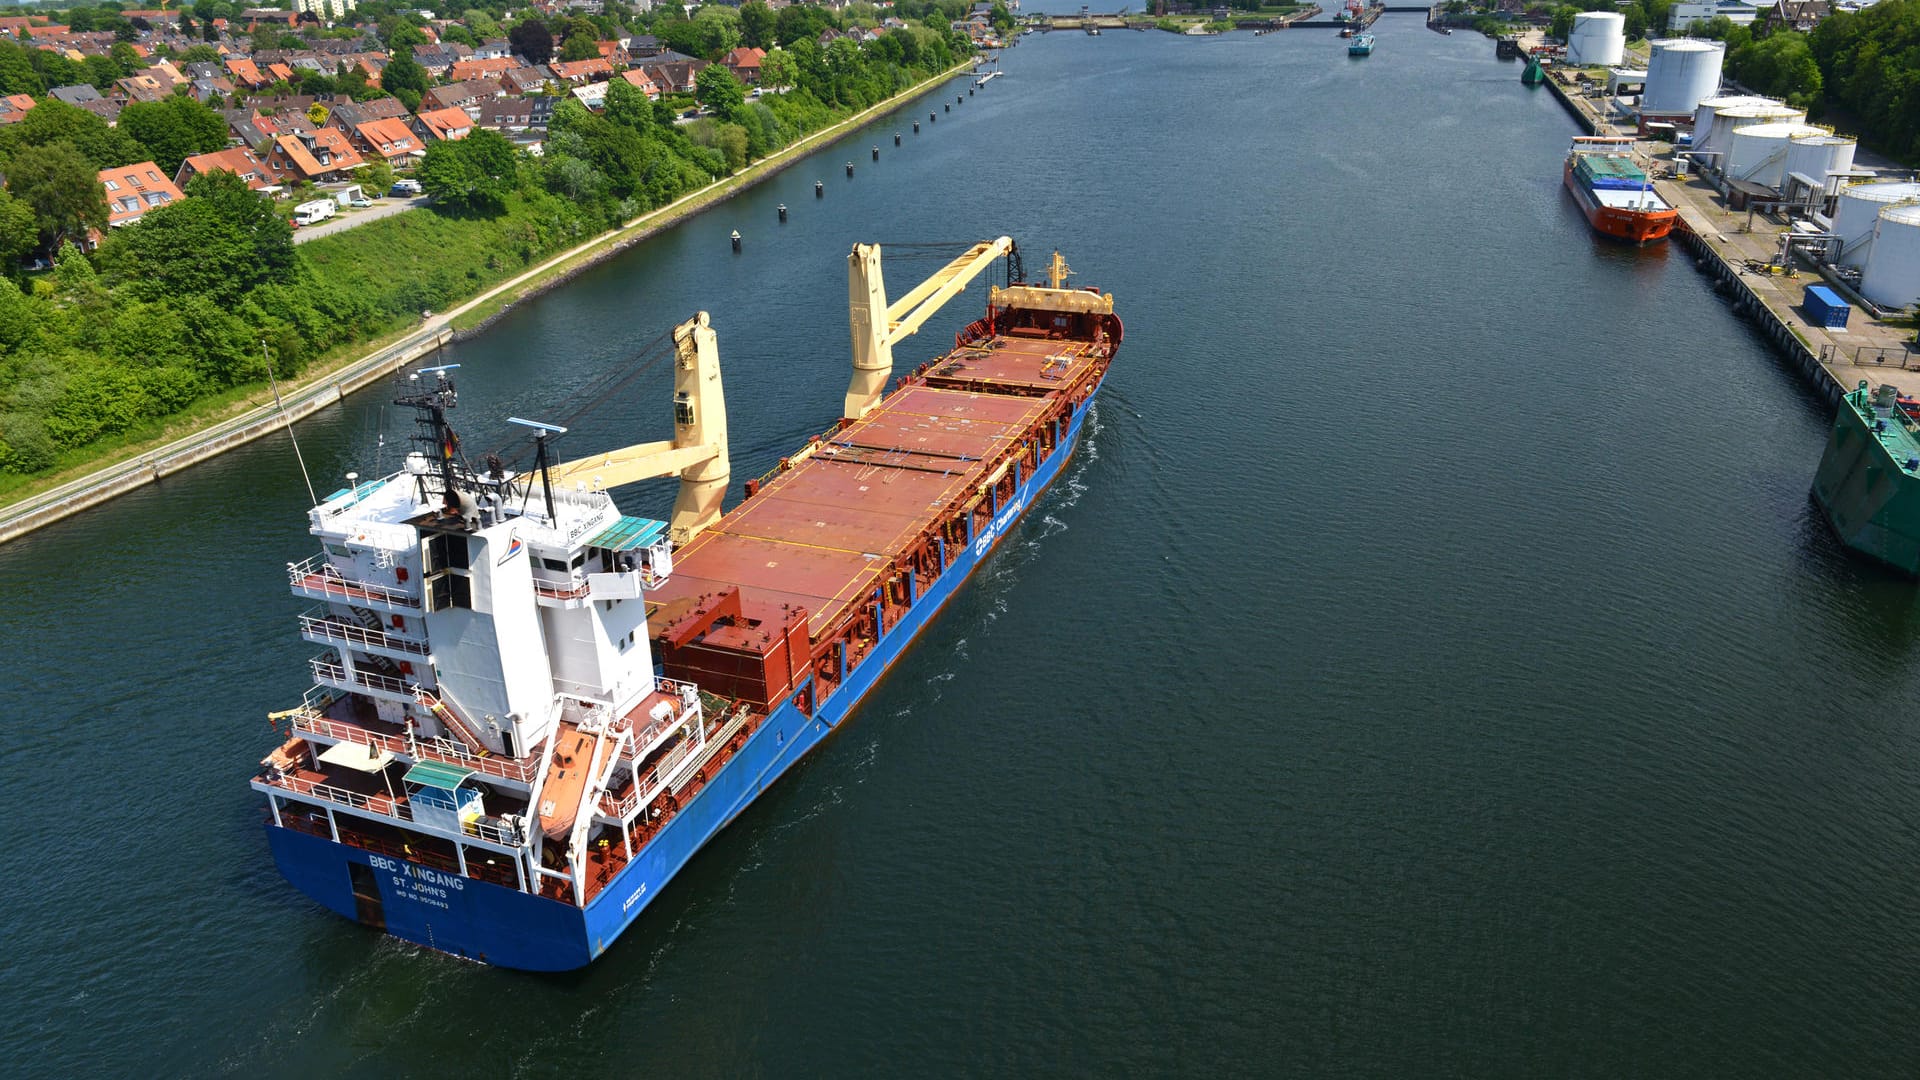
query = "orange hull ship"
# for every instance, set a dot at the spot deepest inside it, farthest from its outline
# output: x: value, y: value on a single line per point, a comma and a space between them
x: 1614, y: 192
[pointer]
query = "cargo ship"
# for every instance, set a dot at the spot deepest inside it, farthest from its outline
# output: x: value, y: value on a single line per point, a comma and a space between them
x: 532, y: 708
x: 1614, y: 191
x: 1869, y: 478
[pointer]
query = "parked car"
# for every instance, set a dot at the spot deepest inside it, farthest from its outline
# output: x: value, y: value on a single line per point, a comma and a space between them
x: 360, y: 202
x: 404, y: 188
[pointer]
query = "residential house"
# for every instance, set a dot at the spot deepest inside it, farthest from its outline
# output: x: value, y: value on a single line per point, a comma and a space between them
x: 239, y: 160
x: 391, y: 141
x: 105, y: 108
x: 493, y: 49
x: 481, y: 69
x: 321, y: 156
x: 446, y: 125
x: 745, y: 64
x: 506, y: 115
x: 644, y: 47
x: 525, y: 80
x: 346, y: 113
x: 154, y: 18
x: 258, y: 17
x: 578, y: 72
x: 142, y: 87
x: 638, y: 78
x: 132, y: 190
x: 462, y: 95
x: 75, y: 95
x: 13, y: 107
x: 248, y: 128
x: 615, y: 53
x: 440, y: 58
x: 676, y: 77
x: 246, y: 74
x: 1801, y: 15
x: 592, y: 95
x: 325, y: 9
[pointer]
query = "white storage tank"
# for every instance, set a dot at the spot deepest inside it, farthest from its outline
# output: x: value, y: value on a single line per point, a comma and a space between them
x: 1892, y: 275
x: 1703, y: 112
x: 1858, y: 210
x: 1720, y: 131
x: 1598, y: 37
x: 1819, y: 158
x: 1758, y: 152
x: 1681, y: 74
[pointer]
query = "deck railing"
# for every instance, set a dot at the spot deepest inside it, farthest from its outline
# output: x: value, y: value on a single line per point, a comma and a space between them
x: 393, y: 807
x: 335, y: 629
x: 318, y: 575
x: 311, y: 721
x: 326, y: 670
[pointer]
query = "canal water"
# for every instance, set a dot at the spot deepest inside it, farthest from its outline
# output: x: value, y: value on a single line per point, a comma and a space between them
x: 1432, y: 664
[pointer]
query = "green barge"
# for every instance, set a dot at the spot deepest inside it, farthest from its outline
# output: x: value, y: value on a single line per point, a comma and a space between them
x: 1869, y: 478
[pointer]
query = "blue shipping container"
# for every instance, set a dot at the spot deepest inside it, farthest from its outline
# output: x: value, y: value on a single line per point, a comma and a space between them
x: 1824, y: 307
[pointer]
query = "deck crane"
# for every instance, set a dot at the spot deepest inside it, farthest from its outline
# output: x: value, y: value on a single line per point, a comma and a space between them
x: 878, y: 326
x: 698, y: 449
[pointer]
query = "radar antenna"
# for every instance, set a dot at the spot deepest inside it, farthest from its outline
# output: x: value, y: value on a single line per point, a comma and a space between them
x: 541, y: 433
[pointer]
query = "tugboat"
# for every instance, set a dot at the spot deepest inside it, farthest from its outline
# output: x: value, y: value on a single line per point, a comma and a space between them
x: 1362, y: 45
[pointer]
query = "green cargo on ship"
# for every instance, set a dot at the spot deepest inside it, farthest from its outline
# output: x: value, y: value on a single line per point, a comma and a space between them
x: 1869, y: 478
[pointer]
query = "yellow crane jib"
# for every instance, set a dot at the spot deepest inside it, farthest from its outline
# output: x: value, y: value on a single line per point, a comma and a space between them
x: 877, y: 325
x: 698, y: 449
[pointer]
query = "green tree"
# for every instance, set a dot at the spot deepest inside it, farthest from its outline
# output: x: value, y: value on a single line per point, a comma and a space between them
x: 403, y: 74
x: 201, y: 54
x: 269, y: 235
x: 1562, y: 24
x: 579, y: 47
x: 54, y: 121
x: 103, y: 72
x: 1782, y: 65
x: 174, y: 129
x: 17, y: 75
x: 756, y: 24
x: 457, y: 33
x: 717, y: 89
x: 482, y: 24
x: 627, y: 105
x: 532, y: 40
x: 19, y: 233
x: 124, y: 55
x: 778, y: 69
x: 399, y: 34
x: 476, y: 173
x: 62, y: 188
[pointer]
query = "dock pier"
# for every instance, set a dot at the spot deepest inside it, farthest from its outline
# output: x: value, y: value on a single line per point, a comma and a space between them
x: 1738, y: 248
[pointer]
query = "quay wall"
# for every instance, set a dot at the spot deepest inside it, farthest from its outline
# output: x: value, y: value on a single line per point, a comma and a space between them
x: 50, y: 506
x: 1713, y: 263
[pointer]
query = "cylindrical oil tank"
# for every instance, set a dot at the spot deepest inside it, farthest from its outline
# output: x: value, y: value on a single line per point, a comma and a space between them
x: 1682, y: 73
x: 1703, y: 112
x: 1598, y: 37
x: 1758, y: 152
x: 1892, y: 274
x: 1818, y: 157
x: 1720, y: 134
x: 1857, y: 211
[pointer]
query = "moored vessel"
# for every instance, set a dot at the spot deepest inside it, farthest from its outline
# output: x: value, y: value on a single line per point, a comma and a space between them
x: 1614, y: 191
x: 1868, y: 482
x: 532, y: 709
x: 1361, y: 45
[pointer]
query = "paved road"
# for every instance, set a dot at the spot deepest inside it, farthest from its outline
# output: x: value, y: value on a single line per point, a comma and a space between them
x: 347, y: 219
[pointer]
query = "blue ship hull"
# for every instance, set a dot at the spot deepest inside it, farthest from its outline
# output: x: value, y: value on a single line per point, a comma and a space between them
x: 482, y: 921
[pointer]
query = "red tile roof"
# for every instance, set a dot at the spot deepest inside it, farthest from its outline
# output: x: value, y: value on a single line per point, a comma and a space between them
x: 132, y: 190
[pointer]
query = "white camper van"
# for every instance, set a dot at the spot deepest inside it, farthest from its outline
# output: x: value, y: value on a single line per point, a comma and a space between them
x: 313, y: 213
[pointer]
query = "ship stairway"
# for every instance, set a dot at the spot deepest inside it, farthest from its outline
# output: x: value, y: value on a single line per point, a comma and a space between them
x: 450, y: 719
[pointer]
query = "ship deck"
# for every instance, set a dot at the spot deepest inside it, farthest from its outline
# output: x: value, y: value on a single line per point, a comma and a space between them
x: 822, y: 534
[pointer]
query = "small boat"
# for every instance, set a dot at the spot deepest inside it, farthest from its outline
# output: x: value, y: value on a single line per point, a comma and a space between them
x: 1361, y: 45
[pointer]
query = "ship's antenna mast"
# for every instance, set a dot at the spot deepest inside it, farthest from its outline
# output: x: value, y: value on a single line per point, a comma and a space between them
x: 541, y: 460
x: 313, y: 500
x: 445, y: 444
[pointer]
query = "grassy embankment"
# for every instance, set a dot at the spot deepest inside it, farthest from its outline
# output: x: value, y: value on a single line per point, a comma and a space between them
x: 422, y: 260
